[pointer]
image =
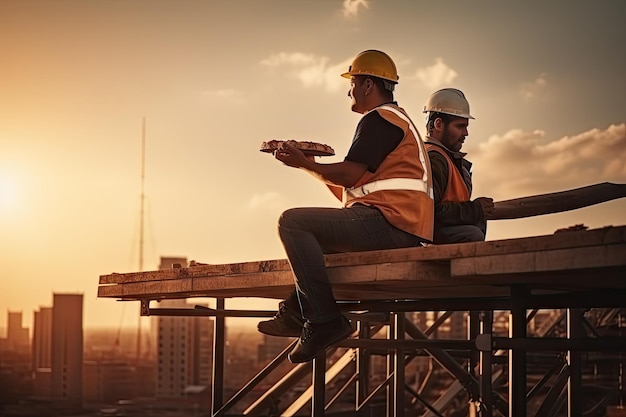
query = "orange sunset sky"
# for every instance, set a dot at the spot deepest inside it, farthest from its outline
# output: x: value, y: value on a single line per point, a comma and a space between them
x: 546, y: 82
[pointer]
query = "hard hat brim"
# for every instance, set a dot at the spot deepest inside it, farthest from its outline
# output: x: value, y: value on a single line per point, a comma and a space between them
x: 462, y: 116
x: 350, y: 74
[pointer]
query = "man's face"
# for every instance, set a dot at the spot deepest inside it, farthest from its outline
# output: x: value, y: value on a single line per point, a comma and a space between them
x: 454, y: 134
x: 357, y: 94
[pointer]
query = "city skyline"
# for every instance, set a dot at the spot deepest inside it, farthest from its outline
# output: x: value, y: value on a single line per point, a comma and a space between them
x: 67, y: 375
x: 65, y: 367
x: 213, y: 80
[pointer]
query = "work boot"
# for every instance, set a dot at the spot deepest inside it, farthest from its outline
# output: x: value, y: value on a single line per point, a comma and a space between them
x: 285, y: 323
x: 316, y: 337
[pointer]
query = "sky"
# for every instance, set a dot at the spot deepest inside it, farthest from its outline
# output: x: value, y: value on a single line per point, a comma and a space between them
x: 546, y: 82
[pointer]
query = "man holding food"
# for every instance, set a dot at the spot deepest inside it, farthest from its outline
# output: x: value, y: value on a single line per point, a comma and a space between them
x: 385, y: 186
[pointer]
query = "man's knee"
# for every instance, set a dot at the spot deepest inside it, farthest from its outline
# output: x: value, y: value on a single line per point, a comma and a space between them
x: 458, y: 234
x: 474, y: 234
x: 288, y: 219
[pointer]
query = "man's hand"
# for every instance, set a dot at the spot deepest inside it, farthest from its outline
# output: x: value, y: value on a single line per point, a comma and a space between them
x: 292, y: 156
x: 487, y: 205
x: 341, y: 174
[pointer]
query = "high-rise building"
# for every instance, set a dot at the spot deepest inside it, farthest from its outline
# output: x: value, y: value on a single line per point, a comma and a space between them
x: 17, y: 336
x: 42, y: 339
x: 184, y: 348
x: 67, y: 348
x: 108, y: 381
x: 57, y: 350
x: 42, y: 352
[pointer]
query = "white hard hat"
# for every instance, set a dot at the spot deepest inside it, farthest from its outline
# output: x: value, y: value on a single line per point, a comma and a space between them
x: 449, y: 101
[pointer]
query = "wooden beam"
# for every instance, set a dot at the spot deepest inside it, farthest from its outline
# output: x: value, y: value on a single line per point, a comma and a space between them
x: 570, y: 239
x: 564, y: 260
x: 197, y: 271
x: 558, y: 202
x: 541, y: 261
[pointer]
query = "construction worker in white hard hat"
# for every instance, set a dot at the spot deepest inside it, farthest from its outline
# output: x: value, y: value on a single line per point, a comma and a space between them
x: 385, y: 188
x: 457, y: 217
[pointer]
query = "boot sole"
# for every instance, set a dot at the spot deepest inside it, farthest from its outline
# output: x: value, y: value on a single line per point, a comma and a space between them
x: 270, y: 332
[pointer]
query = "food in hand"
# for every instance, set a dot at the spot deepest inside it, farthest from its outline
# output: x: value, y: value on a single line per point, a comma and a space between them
x: 309, y: 148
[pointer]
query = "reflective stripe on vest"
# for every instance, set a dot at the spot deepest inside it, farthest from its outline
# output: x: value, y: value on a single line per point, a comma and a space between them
x: 411, y: 184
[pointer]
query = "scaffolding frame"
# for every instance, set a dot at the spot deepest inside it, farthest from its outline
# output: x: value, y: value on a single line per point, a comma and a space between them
x: 576, y: 272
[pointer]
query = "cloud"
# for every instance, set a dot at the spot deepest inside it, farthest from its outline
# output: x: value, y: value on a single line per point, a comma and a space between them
x: 233, y: 96
x: 536, y: 166
x: 266, y: 201
x: 351, y: 7
x: 436, y: 75
x: 295, y: 58
x: 532, y: 89
x: 310, y: 70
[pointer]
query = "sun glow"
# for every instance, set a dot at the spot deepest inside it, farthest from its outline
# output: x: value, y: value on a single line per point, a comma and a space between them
x: 8, y: 193
x: 11, y: 193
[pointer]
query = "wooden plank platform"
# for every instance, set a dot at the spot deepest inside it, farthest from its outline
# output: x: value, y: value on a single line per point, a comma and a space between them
x: 564, y: 261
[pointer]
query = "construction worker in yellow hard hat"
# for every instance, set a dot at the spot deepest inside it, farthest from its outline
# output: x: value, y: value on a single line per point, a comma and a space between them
x: 376, y: 66
x: 385, y: 187
x: 457, y: 217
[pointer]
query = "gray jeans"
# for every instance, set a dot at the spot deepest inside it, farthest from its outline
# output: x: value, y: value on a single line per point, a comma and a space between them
x: 460, y: 234
x: 309, y: 233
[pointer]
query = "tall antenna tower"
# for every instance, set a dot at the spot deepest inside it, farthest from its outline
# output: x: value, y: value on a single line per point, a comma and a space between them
x: 142, y: 200
x: 142, y: 196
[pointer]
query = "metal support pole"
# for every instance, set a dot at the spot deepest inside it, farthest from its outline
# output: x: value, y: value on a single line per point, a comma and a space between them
x: 318, y: 401
x: 486, y: 370
x: 517, y: 358
x: 575, y: 329
x: 485, y: 342
x: 621, y: 320
x: 363, y: 361
x: 473, y: 330
x: 399, y: 382
x: 391, y: 387
x: 219, y: 345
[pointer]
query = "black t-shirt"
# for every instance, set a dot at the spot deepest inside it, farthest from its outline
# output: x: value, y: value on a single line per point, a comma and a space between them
x: 373, y: 140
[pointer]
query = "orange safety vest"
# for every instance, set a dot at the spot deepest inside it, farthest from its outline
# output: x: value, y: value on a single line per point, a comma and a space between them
x: 456, y: 190
x: 401, y: 188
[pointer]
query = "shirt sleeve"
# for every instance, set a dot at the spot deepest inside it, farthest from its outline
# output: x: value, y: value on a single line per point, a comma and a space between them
x: 373, y: 140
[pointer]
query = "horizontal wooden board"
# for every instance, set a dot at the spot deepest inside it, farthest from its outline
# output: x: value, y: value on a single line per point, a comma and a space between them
x: 565, y: 260
x: 542, y: 261
x: 197, y: 271
x: 562, y: 240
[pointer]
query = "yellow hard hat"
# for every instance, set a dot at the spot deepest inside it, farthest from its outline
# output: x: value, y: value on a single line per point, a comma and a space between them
x: 374, y: 63
x: 448, y: 101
